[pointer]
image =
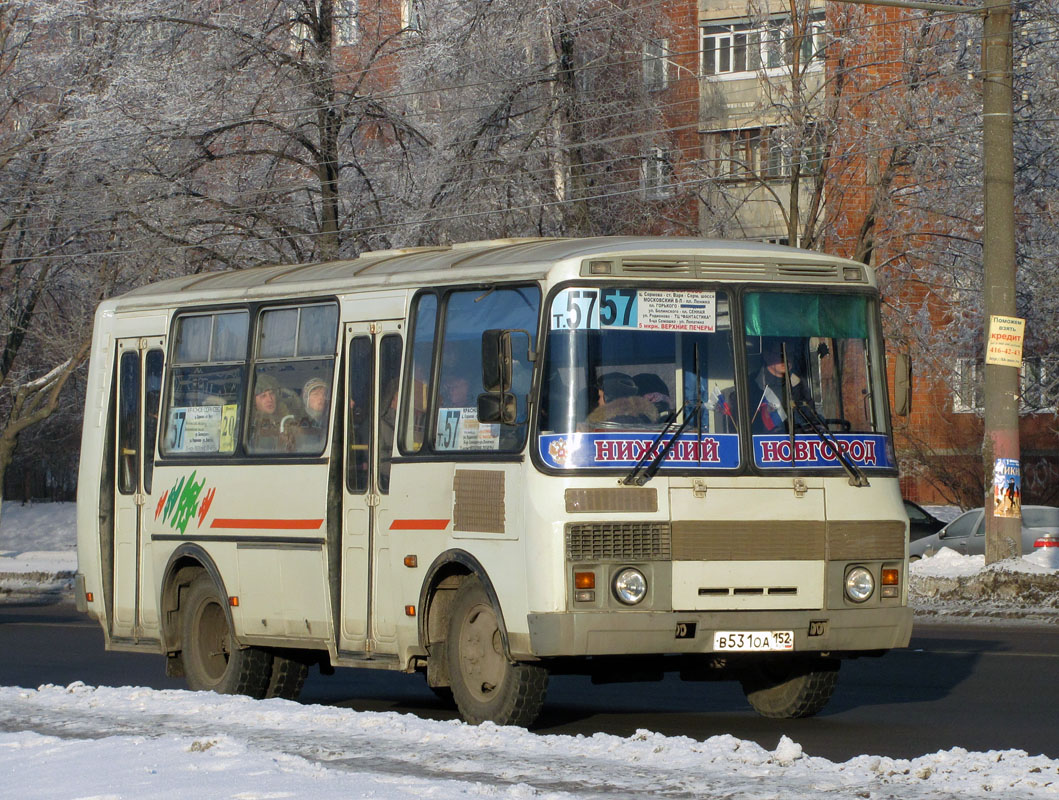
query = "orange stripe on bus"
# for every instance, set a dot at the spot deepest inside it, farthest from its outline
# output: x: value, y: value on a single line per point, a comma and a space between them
x: 270, y: 524
x: 419, y: 524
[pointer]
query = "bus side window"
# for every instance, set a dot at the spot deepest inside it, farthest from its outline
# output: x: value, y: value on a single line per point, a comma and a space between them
x: 206, y: 375
x: 360, y: 414
x: 152, y: 399
x: 290, y: 406
x: 129, y: 422
x: 417, y: 392
x: 389, y: 374
x: 468, y: 315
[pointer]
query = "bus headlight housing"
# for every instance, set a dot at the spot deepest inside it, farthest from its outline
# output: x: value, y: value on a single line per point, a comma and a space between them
x: 860, y: 584
x: 630, y: 586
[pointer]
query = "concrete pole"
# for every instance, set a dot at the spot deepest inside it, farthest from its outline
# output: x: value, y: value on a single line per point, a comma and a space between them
x: 1003, y: 537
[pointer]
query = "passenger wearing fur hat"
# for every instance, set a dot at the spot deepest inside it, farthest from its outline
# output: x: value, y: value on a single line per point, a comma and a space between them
x: 620, y: 401
x: 315, y: 395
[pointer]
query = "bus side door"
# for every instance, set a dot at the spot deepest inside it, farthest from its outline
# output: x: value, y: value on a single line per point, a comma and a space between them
x: 373, y: 367
x: 139, y: 382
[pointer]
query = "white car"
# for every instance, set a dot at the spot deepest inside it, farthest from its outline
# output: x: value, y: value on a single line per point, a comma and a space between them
x: 966, y: 533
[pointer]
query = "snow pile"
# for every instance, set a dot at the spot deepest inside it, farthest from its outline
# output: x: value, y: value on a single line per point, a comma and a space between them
x: 161, y: 744
x: 950, y: 584
x: 38, y: 550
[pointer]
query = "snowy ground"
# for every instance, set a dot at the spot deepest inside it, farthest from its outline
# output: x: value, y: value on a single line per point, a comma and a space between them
x: 162, y: 744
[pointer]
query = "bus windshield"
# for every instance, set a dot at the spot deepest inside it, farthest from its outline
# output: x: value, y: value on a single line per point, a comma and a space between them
x: 622, y: 363
x: 625, y: 365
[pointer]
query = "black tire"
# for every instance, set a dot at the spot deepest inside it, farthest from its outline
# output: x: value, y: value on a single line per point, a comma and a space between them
x: 485, y: 684
x: 289, y: 672
x: 212, y: 659
x: 791, y: 689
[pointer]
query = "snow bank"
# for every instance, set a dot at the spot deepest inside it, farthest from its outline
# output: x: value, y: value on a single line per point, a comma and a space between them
x: 953, y: 585
x: 160, y: 744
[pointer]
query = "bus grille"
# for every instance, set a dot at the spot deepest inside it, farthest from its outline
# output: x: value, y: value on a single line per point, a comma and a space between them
x: 619, y: 541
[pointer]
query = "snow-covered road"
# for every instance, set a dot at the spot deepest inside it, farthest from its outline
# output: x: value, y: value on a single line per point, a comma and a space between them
x: 86, y: 742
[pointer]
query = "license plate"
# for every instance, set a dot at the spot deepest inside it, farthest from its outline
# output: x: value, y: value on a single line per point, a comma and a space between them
x: 750, y: 641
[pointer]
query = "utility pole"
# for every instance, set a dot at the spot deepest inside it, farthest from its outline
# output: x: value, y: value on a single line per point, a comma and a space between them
x: 1000, y: 440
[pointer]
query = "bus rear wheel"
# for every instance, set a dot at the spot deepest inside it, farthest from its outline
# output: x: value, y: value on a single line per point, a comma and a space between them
x: 485, y: 684
x: 212, y: 659
x: 791, y: 689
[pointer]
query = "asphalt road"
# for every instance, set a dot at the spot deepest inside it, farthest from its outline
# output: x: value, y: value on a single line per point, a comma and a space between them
x: 981, y: 687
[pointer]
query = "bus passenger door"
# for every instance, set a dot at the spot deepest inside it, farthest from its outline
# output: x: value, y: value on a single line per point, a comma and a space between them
x: 139, y: 383
x: 373, y: 366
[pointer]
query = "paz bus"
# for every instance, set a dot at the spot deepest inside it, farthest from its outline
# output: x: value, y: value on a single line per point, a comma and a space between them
x: 496, y: 461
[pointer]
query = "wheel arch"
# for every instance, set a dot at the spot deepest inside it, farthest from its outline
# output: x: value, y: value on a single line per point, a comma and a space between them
x: 187, y: 561
x: 442, y: 579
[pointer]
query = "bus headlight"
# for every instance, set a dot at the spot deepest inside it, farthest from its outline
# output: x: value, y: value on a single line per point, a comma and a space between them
x: 630, y: 586
x: 859, y: 584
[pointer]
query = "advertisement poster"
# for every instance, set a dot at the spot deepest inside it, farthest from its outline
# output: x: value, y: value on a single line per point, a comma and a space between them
x: 1005, y: 341
x: 1007, y: 488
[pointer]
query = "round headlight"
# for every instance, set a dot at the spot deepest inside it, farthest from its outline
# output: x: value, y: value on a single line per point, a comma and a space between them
x: 859, y: 584
x: 630, y: 586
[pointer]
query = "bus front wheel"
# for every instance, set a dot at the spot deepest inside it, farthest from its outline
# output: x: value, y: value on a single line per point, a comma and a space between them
x: 486, y: 685
x: 212, y: 659
x: 790, y: 689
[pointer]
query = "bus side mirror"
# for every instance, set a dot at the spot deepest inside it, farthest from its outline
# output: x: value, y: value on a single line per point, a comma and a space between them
x: 496, y: 361
x: 903, y: 384
x: 498, y: 407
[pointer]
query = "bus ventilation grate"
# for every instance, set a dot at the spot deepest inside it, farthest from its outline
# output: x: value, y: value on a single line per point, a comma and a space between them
x: 619, y: 541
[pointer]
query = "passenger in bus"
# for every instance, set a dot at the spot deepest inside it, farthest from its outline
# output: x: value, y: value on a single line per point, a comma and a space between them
x: 316, y: 396
x: 620, y: 401
x: 652, y: 387
x: 768, y: 392
x: 456, y: 392
x: 272, y: 423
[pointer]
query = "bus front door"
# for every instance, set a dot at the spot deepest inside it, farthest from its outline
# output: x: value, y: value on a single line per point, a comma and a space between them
x: 373, y: 364
x: 134, y: 614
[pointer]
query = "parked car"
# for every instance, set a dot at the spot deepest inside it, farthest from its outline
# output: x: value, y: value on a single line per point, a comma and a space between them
x: 921, y: 522
x: 966, y: 533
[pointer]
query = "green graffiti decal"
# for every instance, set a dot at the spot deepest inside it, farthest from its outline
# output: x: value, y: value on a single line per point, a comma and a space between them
x: 181, y: 503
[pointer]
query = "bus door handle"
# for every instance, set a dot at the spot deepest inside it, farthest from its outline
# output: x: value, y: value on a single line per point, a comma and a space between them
x: 373, y: 500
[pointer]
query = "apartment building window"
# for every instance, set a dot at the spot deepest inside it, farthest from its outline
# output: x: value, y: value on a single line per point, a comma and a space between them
x: 1040, y: 384
x: 734, y: 155
x: 1038, y: 378
x: 412, y: 15
x: 346, y: 22
x: 768, y: 153
x: 744, y: 46
x: 656, y: 175
x: 655, y: 64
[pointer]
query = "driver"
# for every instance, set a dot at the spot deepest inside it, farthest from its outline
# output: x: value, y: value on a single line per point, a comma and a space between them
x: 620, y: 401
x: 768, y: 391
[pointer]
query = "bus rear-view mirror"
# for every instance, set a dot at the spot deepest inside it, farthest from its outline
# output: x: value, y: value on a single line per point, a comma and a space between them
x: 498, y: 407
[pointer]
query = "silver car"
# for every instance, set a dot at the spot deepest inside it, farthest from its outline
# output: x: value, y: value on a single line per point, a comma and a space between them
x: 966, y: 533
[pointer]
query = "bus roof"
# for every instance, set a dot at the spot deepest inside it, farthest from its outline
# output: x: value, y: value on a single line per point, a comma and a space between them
x: 504, y: 259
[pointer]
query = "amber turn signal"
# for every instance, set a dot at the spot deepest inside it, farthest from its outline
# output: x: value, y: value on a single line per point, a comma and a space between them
x: 890, y: 577
x: 233, y: 601
x: 585, y: 580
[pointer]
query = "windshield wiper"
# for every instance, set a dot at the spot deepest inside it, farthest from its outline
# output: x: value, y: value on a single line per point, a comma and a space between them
x: 819, y: 426
x: 641, y: 474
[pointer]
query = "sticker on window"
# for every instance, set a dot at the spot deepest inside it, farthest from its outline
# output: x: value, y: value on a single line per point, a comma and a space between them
x: 195, y: 429
x: 459, y: 429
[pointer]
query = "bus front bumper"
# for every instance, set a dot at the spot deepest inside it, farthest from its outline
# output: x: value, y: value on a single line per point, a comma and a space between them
x: 837, y: 631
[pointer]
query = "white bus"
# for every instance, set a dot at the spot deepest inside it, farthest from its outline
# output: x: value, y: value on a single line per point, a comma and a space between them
x: 495, y: 461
